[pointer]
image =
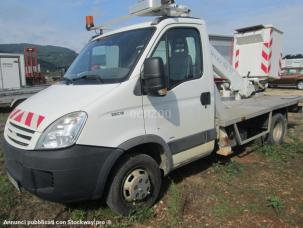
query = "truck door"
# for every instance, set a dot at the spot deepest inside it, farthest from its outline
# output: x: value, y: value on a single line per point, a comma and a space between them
x: 10, y: 74
x: 179, y: 117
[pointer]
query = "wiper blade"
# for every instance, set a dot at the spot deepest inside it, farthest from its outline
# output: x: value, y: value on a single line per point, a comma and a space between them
x: 88, y: 77
x: 69, y: 81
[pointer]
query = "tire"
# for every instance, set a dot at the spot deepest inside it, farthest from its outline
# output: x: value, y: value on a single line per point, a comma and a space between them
x: 124, y: 196
x: 300, y: 85
x: 278, y: 129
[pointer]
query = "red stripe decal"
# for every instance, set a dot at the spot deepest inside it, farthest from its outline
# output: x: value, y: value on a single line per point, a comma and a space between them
x: 264, y: 55
x: 29, y: 118
x: 264, y: 68
x: 40, y: 119
x: 237, y: 64
x: 237, y: 52
x: 266, y: 45
x: 14, y: 113
x: 19, y: 117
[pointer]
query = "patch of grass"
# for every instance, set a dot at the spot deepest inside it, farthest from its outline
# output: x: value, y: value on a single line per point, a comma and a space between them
x: 8, y: 197
x: 296, y: 145
x: 284, y: 151
x: 224, y: 209
x: 141, y: 216
x: 275, y: 203
x: 176, y: 204
x: 253, y: 207
x: 2, y: 218
x: 227, y: 171
x: 78, y: 214
x: 118, y: 225
x: 272, y: 152
x: 105, y: 213
x: 221, y: 209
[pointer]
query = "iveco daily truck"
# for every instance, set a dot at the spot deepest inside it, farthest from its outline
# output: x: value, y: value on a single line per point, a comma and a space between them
x: 137, y: 103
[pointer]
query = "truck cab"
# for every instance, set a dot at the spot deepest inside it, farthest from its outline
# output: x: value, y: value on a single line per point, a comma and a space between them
x: 135, y: 104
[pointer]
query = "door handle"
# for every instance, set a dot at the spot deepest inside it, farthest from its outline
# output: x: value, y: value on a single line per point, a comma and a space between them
x: 205, y: 99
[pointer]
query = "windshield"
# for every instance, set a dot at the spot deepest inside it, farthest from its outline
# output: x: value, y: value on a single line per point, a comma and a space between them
x: 109, y: 59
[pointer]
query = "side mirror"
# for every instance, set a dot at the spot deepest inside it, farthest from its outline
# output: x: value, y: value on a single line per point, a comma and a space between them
x: 154, y: 77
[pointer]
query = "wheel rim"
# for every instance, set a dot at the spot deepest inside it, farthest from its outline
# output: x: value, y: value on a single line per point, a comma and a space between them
x: 300, y: 85
x: 137, y: 186
x: 278, y: 131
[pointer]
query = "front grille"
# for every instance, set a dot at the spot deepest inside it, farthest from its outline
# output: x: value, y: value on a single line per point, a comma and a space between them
x: 19, y: 135
x: 22, y: 128
x: 20, y: 143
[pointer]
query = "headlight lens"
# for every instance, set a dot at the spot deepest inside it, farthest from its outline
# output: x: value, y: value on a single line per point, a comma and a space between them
x: 63, y: 132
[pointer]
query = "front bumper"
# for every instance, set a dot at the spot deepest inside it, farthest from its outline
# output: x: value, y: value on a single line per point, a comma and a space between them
x: 66, y: 175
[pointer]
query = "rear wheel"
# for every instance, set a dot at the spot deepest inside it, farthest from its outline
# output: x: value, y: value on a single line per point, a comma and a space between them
x: 300, y: 85
x: 278, y: 129
x: 135, y: 185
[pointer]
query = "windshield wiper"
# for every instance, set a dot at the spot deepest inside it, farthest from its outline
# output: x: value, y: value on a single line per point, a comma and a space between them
x: 69, y: 81
x: 88, y: 77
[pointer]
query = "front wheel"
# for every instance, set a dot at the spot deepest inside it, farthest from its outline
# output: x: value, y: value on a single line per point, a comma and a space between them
x: 135, y: 185
x: 300, y: 85
x: 278, y: 129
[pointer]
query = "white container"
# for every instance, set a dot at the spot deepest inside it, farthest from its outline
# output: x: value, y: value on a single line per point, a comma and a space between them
x: 258, y: 51
x: 12, y: 75
x: 146, y: 8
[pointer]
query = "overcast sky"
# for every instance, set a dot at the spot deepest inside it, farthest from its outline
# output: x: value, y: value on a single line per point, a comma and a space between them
x: 61, y: 22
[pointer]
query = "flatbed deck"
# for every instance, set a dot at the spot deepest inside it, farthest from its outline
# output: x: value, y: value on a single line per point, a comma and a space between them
x: 231, y: 112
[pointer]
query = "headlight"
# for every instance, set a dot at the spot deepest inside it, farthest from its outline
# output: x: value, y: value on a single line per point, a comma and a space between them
x: 63, y: 132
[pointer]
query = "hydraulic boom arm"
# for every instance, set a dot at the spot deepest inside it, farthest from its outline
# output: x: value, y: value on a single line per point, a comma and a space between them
x: 238, y: 84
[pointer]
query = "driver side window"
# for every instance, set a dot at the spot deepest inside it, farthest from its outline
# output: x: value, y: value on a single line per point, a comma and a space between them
x: 181, y: 52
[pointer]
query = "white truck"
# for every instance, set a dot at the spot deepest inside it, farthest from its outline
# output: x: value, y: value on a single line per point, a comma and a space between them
x: 13, y: 88
x: 137, y: 103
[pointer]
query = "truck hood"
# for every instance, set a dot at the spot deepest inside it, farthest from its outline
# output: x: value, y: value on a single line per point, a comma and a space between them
x: 40, y: 110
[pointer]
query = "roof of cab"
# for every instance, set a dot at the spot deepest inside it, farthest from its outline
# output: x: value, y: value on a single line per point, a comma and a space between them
x: 161, y: 22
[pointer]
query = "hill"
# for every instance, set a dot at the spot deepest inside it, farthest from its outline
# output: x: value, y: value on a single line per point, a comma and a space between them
x: 50, y: 57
